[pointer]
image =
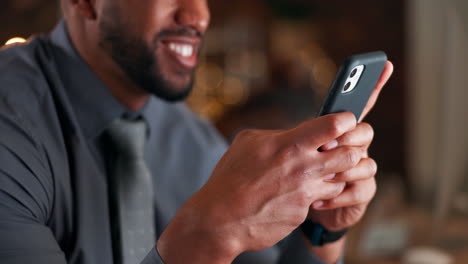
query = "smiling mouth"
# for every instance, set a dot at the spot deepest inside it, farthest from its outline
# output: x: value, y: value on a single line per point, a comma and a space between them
x: 183, y: 51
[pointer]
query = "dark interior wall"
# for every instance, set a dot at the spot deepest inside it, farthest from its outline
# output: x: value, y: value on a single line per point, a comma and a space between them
x: 23, y: 18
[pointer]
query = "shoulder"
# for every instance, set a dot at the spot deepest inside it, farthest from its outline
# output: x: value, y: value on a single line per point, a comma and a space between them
x: 22, y: 78
x: 23, y: 84
x: 24, y: 172
x: 21, y: 81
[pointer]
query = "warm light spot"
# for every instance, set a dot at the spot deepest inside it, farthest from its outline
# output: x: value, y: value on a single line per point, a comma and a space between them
x: 233, y: 91
x: 213, y: 110
x: 15, y: 40
x: 208, y: 76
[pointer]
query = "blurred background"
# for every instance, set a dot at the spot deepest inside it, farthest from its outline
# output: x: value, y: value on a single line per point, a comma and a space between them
x: 268, y: 64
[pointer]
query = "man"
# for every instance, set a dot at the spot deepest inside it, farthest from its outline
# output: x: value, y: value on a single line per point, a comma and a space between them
x: 113, y: 62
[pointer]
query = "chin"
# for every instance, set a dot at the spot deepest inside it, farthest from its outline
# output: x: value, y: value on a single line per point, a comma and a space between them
x: 168, y: 82
x: 181, y: 87
x: 180, y: 83
x: 170, y: 91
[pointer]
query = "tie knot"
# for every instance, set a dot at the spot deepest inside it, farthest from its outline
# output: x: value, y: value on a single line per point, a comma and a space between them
x: 128, y: 137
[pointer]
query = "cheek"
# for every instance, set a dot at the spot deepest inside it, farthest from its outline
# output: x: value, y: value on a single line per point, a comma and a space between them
x: 152, y: 17
x: 144, y: 18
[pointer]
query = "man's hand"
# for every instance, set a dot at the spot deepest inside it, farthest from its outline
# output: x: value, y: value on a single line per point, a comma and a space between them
x: 260, y: 191
x: 349, y: 207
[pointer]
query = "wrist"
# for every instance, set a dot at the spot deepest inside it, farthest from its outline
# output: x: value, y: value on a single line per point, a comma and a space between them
x: 195, y: 236
x: 185, y: 248
x: 328, y: 245
x: 318, y: 235
x: 328, y: 253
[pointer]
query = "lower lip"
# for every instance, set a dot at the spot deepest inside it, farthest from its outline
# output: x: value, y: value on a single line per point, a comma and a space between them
x: 187, y: 62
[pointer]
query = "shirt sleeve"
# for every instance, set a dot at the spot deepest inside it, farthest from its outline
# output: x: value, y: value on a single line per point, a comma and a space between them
x: 25, y: 197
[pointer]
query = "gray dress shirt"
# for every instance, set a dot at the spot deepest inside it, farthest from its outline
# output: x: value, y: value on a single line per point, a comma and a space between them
x: 53, y: 185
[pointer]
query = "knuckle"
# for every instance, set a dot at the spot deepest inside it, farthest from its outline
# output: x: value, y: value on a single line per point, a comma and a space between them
x: 352, y: 156
x: 263, y: 147
x: 303, y: 177
x: 364, y: 196
x: 292, y: 149
x: 289, y: 151
x: 243, y: 136
x: 339, y: 188
x: 372, y: 167
x: 339, y: 123
x: 297, y: 221
x: 321, y: 167
x: 304, y: 199
x: 358, y: 197
x: 296, y: 174
x: 349, y: 117
x: 335, y: 127
x: 331, y: 190
x: 345, y: 139
x: 368, y: 129
x: 345, y: 176
x: 245, y: 133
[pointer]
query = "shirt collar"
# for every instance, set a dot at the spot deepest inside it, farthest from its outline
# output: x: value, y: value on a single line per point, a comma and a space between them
x: 95, y: 107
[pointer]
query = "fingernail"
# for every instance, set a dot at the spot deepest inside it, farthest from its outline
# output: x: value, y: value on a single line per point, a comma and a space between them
x: 329, y: 177
x: 318, y: 204
x: 330, y: 145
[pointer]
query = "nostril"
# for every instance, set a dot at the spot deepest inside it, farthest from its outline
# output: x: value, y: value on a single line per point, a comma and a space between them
x: 197, y: 17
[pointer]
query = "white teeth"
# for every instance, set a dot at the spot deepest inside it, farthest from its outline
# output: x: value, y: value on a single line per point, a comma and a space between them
x: 182, y: 49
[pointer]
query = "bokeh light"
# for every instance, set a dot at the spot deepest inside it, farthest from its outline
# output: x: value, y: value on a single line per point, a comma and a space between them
x: 15, y: 40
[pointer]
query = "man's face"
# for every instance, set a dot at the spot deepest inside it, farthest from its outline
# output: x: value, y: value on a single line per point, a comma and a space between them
x: 155, y: 42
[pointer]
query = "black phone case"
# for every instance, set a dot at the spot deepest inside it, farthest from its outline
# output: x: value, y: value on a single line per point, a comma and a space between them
x: 356, y: 100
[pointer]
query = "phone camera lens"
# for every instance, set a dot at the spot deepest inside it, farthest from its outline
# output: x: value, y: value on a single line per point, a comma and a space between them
x: 353, y: 73
x: 347, y: 86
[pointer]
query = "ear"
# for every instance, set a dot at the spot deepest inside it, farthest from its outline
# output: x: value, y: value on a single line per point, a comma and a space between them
x: 86, y: 8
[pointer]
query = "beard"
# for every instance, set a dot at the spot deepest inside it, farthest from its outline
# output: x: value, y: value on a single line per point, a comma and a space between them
x: 137, y: 59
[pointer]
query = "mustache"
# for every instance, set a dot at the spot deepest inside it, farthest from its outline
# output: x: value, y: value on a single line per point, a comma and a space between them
x: 179, y: 32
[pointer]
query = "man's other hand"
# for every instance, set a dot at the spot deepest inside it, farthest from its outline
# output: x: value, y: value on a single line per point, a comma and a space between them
x: 348, y: 208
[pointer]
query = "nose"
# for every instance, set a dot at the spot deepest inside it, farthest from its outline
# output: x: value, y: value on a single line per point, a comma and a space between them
x: 194, y: 14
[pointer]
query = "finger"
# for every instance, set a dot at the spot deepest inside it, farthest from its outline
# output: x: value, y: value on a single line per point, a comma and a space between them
x: 340, y: 159
x: 327, y: 190
x: 330, y: 145
x: 315, y: 133
x: 384, y: 77
x: 367, y: 168
x: 362, y: 135
x: 356, y: 193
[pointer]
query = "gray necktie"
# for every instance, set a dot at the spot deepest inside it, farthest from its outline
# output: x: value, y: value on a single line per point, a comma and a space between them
x: 131, y: 193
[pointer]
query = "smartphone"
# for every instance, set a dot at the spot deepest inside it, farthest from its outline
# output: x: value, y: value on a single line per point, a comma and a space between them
x: 354, y: 83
